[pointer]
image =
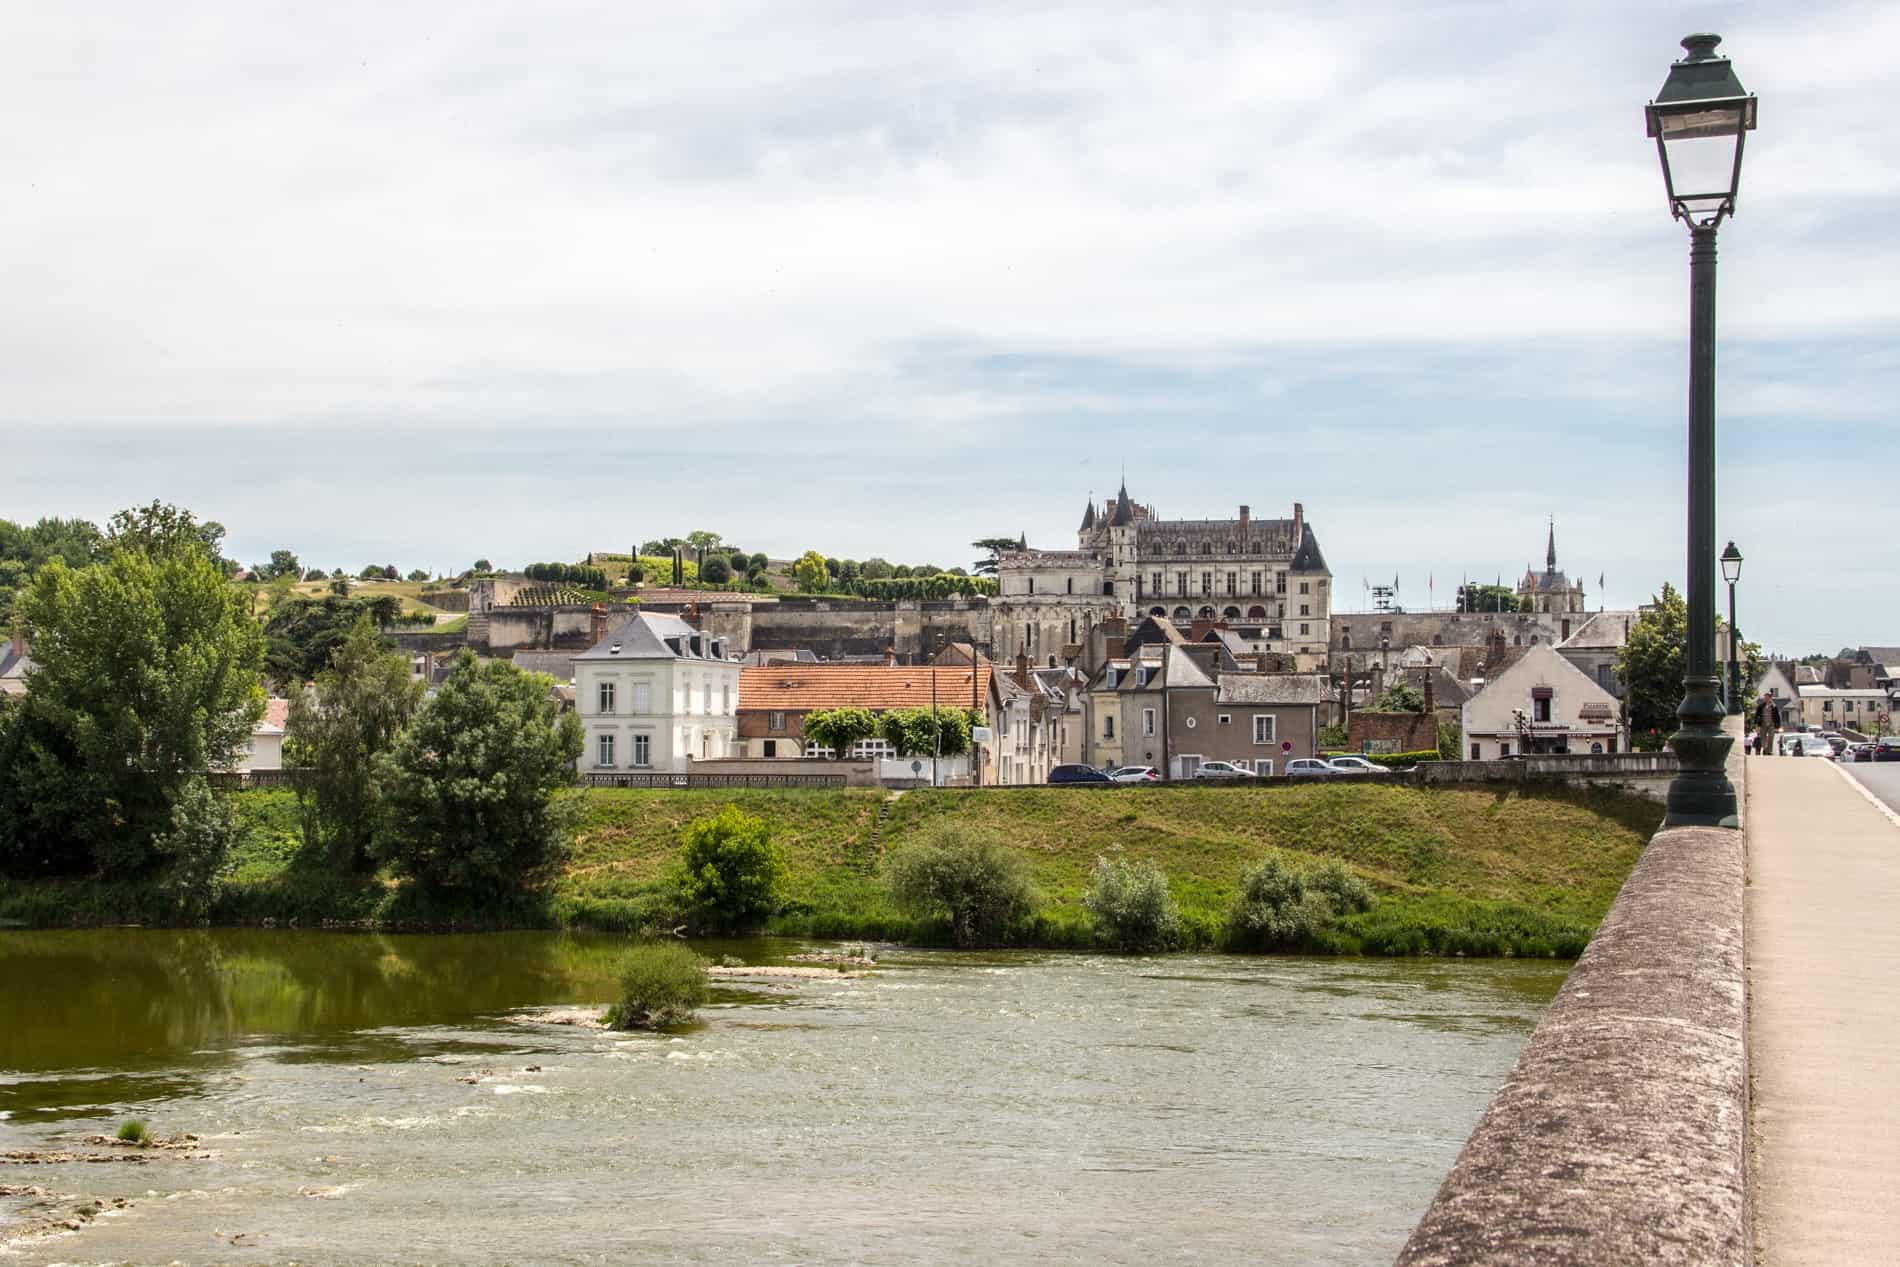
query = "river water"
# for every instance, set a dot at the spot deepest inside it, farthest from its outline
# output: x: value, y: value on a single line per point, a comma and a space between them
x: 364, y: 1098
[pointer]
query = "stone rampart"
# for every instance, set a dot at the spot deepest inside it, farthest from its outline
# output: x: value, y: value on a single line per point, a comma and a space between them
x: 1620, y: 1135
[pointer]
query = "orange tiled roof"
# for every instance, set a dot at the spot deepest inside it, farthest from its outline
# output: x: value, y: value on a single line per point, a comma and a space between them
x: 796, y: 688
x: 276, y: 713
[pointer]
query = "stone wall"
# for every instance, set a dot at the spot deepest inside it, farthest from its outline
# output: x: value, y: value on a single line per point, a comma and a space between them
x: 1391, y: 732
x: 836, y: 629
x: 1620, y: 1137
x: 1358, y: 633
x: 538, y: 628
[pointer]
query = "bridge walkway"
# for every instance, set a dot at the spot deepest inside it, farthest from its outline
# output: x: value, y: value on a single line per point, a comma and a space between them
x: 1823, y: 959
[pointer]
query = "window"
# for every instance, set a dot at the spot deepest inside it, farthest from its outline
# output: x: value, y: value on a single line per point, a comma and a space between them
x: 1207, y: 582
x: 706, y: 706
x: 1032, y: 585
x: 1233, y: 582
x: 1148, y: 722
x: 1180, y: 583
x: 1256, y: 612
x: 1264, y: 766
x: 1207, y: 547
x: 1540, y: 703
x: 1256, y: 583
x: 1279, y: 582
x: 606, y: 698
x: 604, y: 751
x: 642, y: 697
x: 770, y: 747
x: 725, y: 698
x: 1474, y: 752
x: 1302, y: 628
x: 643, y: 750
x: 775, y: 721
x: 1263, y: 727
x: 1224, y: 719
x: 1157, y: 585
x: 1504, y: 749
x: 1306, y: 609
x: 1108, y: 725
x: 1071, y: 584
x: 1303, y: 588
x: 813, y: 750
x: 873, y: 748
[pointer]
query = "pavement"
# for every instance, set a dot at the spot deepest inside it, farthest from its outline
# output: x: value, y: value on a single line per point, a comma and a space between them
x: 1823, y: 956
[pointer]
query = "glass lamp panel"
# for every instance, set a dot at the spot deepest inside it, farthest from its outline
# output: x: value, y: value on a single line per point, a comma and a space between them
x: 1731, y: 569
x: 1700, y: 144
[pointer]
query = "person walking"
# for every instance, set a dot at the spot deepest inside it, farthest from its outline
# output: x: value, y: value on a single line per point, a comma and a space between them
x: 1767, y: 722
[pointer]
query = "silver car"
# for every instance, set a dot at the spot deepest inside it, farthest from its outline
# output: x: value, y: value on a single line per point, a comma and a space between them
x: 1356, y: 765
x: 1309, y: 768
x: 1222, y: 770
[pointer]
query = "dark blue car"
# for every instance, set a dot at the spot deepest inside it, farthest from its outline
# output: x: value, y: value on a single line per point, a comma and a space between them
x: 1078, y: 774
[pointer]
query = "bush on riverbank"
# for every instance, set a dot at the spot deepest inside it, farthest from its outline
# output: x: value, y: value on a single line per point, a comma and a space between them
x: 729, y: 871
x: 1283, y: 908
x: 1456, y: 870
x: 1132, y: 907
x: 662, y: 984
x: 967, y: 878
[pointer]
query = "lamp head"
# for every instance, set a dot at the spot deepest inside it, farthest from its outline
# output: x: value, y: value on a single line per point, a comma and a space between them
x: 1731, y: 564
x: 1699, y: 120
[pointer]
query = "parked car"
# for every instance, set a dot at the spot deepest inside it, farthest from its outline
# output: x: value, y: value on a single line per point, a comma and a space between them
x: 1863, y: 751
x: 1077, y: 774
x: 1309, y: 768
x: 1134, y: 774
x: 1222, y: 770
x: 1804, y: 745
x: 1357, y: 765
x: 1887, y: 748
x: 1835, y: 740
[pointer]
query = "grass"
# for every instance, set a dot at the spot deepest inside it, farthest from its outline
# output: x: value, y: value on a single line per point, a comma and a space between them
x: 134, y: 1131
x: 1454, y: 870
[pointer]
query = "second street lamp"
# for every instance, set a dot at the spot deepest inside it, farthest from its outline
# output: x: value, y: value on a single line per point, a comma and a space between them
x: 1699, y: 120
x: 1732, y: 572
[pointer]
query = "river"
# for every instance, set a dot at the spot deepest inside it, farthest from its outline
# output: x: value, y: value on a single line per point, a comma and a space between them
x: 368, y: 1098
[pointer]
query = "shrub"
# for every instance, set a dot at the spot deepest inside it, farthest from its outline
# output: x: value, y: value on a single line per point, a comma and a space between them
x: 133, y: 1131
x: 1132, y: 906
x: 661, y: 984
x: 716, y: 572
x: 1279, y: 908
x: 757, y: 563
x: 729, y: 869
x: 967, y: 877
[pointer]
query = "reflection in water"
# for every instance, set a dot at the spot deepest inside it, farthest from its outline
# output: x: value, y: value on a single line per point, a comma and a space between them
x: 943, y: 1109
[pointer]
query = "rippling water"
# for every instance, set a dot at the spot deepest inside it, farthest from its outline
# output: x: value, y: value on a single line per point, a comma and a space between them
x: 370, y: 1099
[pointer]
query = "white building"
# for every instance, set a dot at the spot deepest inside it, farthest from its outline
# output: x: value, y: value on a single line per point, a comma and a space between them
x: 1542, y: 703
x: 264, y: 750
x: 1861, y: 709
x: 653, y: 695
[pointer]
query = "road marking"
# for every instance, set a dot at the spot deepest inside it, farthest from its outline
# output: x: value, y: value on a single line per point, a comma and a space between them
x: 1872, y: 800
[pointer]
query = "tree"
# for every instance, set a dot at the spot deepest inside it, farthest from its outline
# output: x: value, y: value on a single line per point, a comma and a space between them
x: 839, y: 728
x: 283, y: 563
x: 980, y: 886
x: 757, y: 563
x: 1400, y: 696
x: 470, y: 783
x: 1650, y: 663
x: 1487, y: 598
x: 390, y: 573
x: 302, y: 634
x: 914, y: 731
x: 810, y: 572
x: 994, y: 546
x: 147, y: 677
x: 635, y: 573
x: 161, y: 528
x: 483, y: 565
x: 875, y: 569
x: 315, y: 574
x: 703, y: 540
x: 418, y: 574
x: 336, y: 732
x: 716, y: 571
x: 729, y: 870
x: 340, y: 587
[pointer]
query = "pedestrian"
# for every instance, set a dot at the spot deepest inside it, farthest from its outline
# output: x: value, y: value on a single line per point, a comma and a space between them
x: 1767, y: 722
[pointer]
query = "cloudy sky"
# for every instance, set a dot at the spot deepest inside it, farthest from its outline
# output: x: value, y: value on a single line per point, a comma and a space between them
x: 422, y: 283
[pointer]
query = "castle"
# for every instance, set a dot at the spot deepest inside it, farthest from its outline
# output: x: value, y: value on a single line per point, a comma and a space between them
x: 1265, y: 579
x: 1549, y: 590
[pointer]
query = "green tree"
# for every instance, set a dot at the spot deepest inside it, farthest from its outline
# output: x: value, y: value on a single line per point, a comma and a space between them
x: 283, y: 563
x: 965, y: 877
x: 1650, y: 664
x: 1487, y: 598
x: 483, y: 565
x: 1400, y: 696
x: 729, y: 870
x: 336, y: 732
x: 716, y: 572
x: 876, y: 569
x: 993, y: 547
x: 471, y: 782
x: 839, y: 728
x: 757, y: 563
x: 1132, y: 906
x: 147, y: 676
x: 914, y: 731
x: 810, y: 573
x: 161, y: 528
x: 703, y: 540
x: 1450, y: 740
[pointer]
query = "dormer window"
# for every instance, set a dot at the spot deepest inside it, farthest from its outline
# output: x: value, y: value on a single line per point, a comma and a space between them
x: 614, y: 649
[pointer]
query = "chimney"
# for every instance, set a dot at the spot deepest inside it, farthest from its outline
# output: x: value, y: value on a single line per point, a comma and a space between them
x: 1022, y: 670
x: 596, y: 625
x: 1431, y: 703
x: 1246, y: 517
x: 1299, y: 524
x: 890, y: 656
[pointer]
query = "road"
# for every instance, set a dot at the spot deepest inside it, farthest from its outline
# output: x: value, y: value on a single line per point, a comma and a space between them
x: 1882, y: 779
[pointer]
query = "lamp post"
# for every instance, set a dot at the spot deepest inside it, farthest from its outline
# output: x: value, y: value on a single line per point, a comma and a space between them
x: 1700, y: 120
x: 1732, y: 572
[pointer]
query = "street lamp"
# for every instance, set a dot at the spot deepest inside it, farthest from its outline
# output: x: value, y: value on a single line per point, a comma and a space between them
x: 1732, y: 572
x: 1699, y: 120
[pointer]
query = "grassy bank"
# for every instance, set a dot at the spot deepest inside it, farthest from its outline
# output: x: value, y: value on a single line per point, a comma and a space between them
x: 1456, y: 870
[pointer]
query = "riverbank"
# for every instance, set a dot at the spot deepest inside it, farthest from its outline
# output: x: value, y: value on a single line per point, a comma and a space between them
x: 1474, y: 871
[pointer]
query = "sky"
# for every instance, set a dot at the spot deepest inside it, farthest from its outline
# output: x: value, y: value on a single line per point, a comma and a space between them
x: 432, y: 282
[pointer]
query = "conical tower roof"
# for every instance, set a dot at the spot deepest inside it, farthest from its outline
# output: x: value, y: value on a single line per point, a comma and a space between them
x: 1124, y: 509
x: 1088, y: 516
x: 1550, y: 552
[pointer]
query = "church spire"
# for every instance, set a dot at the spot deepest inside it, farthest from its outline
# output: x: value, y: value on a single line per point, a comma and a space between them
x: 1124, y: 509
x: 1088, y: 516
x: 1550, y: 553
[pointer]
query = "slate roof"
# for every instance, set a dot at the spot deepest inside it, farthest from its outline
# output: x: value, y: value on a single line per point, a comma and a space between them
x: 1181, y: 671
x: 1604, y: 629
x: 795, y: 688
x: 643, y: 636
x: 1088, y: 516
x: 1124, y: 509
x: 1268, y: 688
x: 1308, y: 558
x: 558, y: 665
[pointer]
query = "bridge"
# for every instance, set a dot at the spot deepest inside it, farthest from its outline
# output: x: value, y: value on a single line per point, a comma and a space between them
x: 1718, y: 1082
